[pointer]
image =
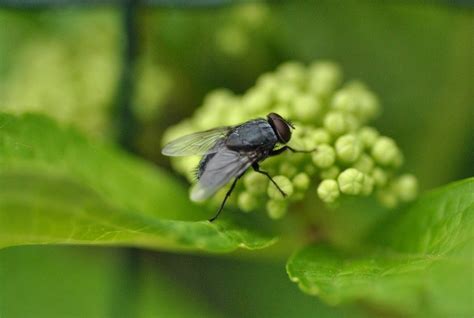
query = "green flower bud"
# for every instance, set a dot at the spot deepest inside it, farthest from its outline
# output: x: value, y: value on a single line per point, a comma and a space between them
x: 282, y: 109
x: 286, y: 94
x: 301, y: 181
x: 256, y: 100
x: 368, y: 105
x: 276, y: 209
x: 348, y: 148
x: 287, y: 169
x: 335, y: 123
x: 365, y: 164
x: 351, y: 181
x: 247, y: 202
x: 344, y: 100
x: 292, y: 72
x: 320, y: 136
x: 268, y: 83
x: 368, y: 136
x: 284, y: 183
x: 380, y: 177
x: 324, y: 156
x: 255, y: 182
x: 328, y: 191
x: 306, y: 108
x: 385, y: 151
x: 406, y: 187
x: 330, y: 173
x: 324, y: 77
x: 179, y: 130
x: 217, y: 96
x: 352, y: 122
x: 387, y: 198
x: 367, y: 185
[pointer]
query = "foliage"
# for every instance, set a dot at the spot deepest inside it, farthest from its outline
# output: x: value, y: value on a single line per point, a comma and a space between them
x: 418, y: 262
x: 57, y: 187
x: 157, y: 256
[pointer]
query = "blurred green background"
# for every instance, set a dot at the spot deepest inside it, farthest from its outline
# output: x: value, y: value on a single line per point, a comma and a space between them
x: 124, y: 73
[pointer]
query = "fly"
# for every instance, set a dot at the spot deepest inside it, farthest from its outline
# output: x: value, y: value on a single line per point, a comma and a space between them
x: 229, y: 151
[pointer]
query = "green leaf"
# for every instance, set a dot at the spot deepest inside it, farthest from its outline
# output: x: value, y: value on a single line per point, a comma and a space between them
x: 56, y: 281
x: 421, y: 261
x: 56, y: 187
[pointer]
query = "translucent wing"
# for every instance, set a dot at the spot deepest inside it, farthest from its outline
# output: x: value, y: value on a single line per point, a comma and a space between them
x: 220, y: 167
x: 198, y: 143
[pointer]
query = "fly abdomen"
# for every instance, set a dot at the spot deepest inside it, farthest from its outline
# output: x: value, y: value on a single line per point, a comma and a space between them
x: 203, y: 163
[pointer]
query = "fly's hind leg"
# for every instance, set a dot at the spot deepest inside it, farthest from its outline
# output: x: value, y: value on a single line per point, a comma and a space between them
x: 227, y: 195
x: 256, y: 167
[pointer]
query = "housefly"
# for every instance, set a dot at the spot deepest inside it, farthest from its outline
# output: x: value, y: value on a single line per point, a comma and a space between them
x: 229, y: 151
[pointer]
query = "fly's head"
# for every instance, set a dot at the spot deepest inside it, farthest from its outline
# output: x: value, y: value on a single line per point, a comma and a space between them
x: 281, y: 127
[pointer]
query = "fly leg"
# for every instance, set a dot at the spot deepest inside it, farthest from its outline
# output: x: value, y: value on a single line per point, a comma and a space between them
x: 282, y: 149
x: 256, y: 167
x: 227, y: 195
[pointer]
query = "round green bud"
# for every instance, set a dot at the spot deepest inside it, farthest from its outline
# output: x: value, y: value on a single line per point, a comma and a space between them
x: 368, y: 105
x: 276, y: 209
x: 324, y: 77
x: 218, y: 96
x: 283, y: 109
x: 185, y: 127
x: 309, y: 143
x: 330, y: 173
x: 385, y: 151
x: 406, y: 187
x: 368, y: 136
x: 267, y: 83
x: 286, y: 94
x: 255, y: 182
x: 344, y: 100
x: 284, y: 183
x: 301, y: 181
x: 320, y: 136
x: 335, y: 123
x: 328, y: 191
x: 287, y: 169
x: 324, y: 156
x: 380, y: 177
x: 352, y: 122
x: 387, y: 198
x: 306, y: 108
x: 247, y: 202
x: 348, y: 148
x: 351, y: 181
x: 365, y: 163
x: 367, y: 185
x: 255, y: 100
x: 292, y: 72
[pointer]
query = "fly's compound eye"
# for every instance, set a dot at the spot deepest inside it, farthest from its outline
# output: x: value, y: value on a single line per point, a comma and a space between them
x: 281, y: 127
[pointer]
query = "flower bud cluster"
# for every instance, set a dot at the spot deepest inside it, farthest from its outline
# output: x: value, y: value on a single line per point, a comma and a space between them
x: 351, y: 158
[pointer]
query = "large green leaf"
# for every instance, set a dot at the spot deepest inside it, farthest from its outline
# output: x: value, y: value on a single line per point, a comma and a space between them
x: 421, y: 261
x: 57, y: 187
x: 56, y: 281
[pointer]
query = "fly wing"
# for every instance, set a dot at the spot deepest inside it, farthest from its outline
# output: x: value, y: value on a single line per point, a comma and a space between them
x: 220, y: 167
x: 198, y: 143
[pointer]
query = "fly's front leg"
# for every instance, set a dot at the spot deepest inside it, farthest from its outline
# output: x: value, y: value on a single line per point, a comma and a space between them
x: 256, y: 167
x: 227, y: 195
x: 284, y: 148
